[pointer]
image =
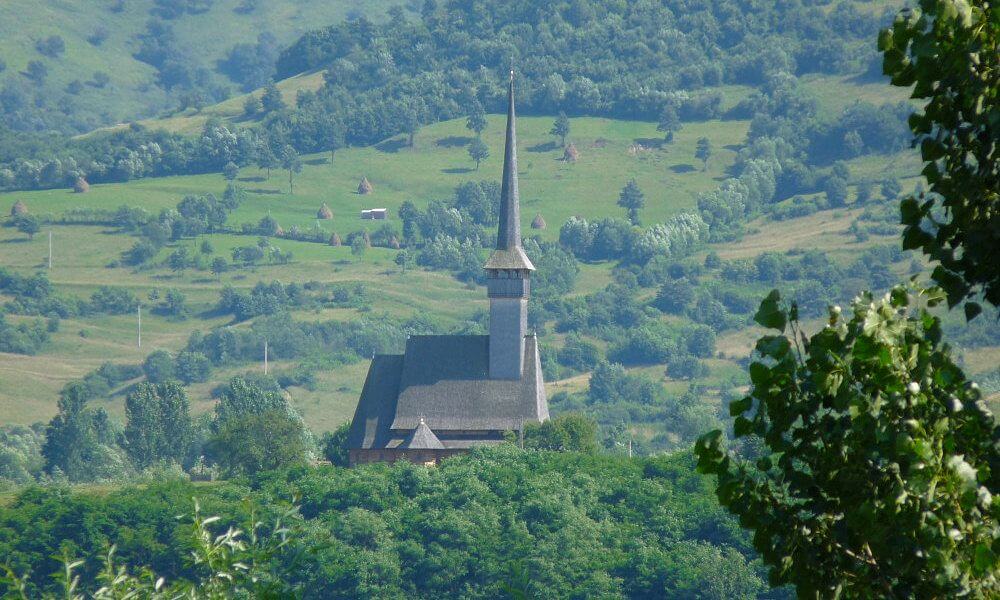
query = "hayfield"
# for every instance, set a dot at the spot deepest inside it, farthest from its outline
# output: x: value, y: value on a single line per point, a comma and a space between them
x: 611, y: 153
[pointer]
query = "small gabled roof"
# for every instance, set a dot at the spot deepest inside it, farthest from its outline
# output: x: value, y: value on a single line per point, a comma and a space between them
x: 422, y: 438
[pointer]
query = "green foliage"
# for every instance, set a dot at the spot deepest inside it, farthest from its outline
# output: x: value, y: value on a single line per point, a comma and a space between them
x: 29, y: 225
x: 192, y: 367
x: 631, y: 199
x: 113, y: 301
x: 580, y: 525
x: 243, y: 396
x: 231, y: 171
x: 476, y: 121
x: 703, y: 151
x: 225, y: 564
x: 569, y: 432
x: 950, y: 53
x: 875, y: 465
x: 835, y: 189
x: 254, y: 442
x: 219, y: 266
x: 159, y: 366
x: 560, y: 128
x: 478, y: 151
x: 670, y: 122
x: 291, y: 162
x: 334, y: 445
x: 271, y: 99
x: 81, y: 443
x: 24, y: 338
x: 20, y: 454
x: 256, y: 429
x: 159, y: 426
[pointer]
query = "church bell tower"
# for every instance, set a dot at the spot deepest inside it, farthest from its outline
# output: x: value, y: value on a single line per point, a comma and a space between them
x: 508, y: 270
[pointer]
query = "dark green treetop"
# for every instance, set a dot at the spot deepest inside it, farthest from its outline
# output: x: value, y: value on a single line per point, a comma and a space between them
x: 875, y: 456
x: 950, y: 53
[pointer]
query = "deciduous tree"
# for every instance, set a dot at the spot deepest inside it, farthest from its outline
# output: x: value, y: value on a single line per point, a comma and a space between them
x: 874, y: 455
x: 950, y: 53
x: 293, y: 164
x: 632, y: 199
x: 560, y: 128
x: 703, y: 151
x: 477, y: 119
x: 158, y: 424
x: 478, y: 151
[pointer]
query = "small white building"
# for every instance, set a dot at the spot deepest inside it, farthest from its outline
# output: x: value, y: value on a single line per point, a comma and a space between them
x: 377, y: 214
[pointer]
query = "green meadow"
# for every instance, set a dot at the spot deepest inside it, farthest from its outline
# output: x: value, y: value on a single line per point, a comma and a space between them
x: 611, y: 153
x: 131, y: 92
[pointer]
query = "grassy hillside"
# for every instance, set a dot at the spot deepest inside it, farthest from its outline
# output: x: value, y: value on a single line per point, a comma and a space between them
x: 611, y: 153
x: 669, y: 176
x: 131, y: 92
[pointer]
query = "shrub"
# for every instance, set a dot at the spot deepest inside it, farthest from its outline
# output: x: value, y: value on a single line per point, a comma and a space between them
x: 159, y: 367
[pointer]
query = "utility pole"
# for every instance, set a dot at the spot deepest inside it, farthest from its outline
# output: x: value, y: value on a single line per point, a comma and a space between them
x: 50, y: 249
x: 138, y: 318
x: 265, y: 357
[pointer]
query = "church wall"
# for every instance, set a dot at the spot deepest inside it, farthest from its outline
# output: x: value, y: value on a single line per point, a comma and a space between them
x: 508, y: 326
x: 391, y: 455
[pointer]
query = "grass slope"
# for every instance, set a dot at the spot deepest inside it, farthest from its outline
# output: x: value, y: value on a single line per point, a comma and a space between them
x: 669, y: 176
x: 132, y: 93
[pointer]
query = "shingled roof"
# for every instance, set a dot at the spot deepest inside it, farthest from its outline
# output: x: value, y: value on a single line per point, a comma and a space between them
x: 422, y: 438
x: 444, y: 380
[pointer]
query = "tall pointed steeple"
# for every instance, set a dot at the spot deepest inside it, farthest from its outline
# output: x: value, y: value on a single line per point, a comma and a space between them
x: 508, y: 253
x: 508, y: 270
x: 509, y: 235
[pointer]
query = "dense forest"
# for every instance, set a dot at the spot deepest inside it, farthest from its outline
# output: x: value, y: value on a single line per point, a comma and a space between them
x: 562, y: 525
x: 663, y: 62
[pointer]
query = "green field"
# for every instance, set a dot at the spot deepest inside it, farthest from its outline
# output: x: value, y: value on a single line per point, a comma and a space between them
x: 611, y: 153
x: 669, y: 176
x: 131, y: 92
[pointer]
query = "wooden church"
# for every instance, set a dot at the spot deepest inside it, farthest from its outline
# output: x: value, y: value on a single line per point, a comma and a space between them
x: 447, y: 393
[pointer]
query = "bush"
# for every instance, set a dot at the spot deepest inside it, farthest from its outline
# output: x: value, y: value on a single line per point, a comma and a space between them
x: 334, y: 445
x: 193, y: 367
x: 564, y: 433
x: 159, y: 367
x: 686, y: 367
x: 113, y: 301
x: 675, y: 296
x: 254, y: 442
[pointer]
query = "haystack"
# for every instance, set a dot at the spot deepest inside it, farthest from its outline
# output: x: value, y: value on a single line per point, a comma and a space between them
x: 324, y: 212
x: 538, y: 222
x: 81, y: 186
x: 335, y: 239
x: 365, y: 187
x: 571, y: 154
x: 19, y: 209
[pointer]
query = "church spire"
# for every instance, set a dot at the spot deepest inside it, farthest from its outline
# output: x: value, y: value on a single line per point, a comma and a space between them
x: 509, y: 235
x: 508, y: 253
